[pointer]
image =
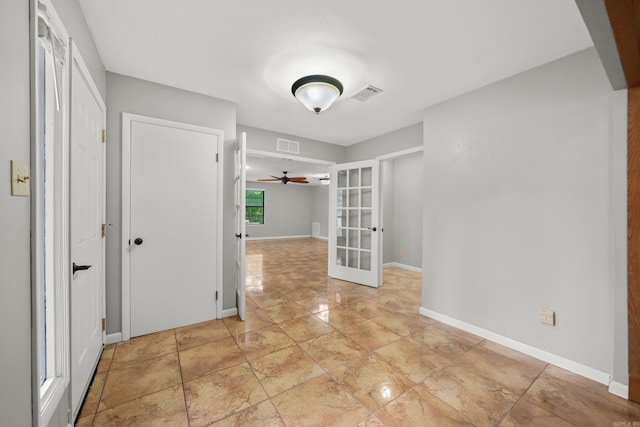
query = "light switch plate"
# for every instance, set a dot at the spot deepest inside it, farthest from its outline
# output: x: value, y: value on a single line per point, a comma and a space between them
x: 19, y: 179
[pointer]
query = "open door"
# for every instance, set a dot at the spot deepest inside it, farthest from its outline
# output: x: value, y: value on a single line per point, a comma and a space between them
x: 354, y: 243
x: 240, y: 207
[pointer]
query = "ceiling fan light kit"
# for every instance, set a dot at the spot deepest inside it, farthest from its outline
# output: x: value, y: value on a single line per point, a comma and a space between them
x: 284, y: 179
x: 317, y: 92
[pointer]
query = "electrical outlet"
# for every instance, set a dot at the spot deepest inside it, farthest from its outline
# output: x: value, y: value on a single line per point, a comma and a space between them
x: 547, y: 317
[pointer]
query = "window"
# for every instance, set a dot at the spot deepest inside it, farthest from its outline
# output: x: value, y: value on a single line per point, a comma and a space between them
x: 255, y: 207
x: 49, y: 171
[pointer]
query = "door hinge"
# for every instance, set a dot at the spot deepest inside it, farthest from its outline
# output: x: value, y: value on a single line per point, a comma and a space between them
x: 216, y: 157
x: 104, y: 324
x: 216, y: 295
x: 104, y: 230
x: 104, y: 135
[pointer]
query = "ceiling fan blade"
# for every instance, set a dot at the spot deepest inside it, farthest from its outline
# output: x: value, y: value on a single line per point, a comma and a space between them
x: 296, y: 177
x: 267, y: 179
x: 275, y: 177
x: 299, y: 182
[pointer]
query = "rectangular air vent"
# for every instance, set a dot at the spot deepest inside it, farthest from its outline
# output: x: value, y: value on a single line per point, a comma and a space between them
x: 366, y: 93
x: 286, y: 146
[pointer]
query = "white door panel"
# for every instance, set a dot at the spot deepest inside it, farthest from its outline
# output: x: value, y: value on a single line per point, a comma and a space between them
x: 87, y: 213
x: 354, y: 231
x: 173, y: 211
x: 240, y: 215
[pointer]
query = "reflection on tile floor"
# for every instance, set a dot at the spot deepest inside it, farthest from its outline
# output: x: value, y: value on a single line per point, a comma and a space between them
x: 316, y: 351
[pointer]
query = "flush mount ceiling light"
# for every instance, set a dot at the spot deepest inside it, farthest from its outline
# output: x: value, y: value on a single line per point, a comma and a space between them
x: 317, y: 92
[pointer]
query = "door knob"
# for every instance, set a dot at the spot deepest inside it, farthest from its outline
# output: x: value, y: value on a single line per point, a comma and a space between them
x: 80, y: 267
x: 138, y: 241
x: 372, y: 228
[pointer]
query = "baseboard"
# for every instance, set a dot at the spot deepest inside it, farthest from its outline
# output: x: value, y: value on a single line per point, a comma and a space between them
x: 321, y: 238
x: 279, y: 237
x: 569, y: 365
x: 403, y: 266
x: 620, y: 390
x: 229, y: 312
x: 114, y: 338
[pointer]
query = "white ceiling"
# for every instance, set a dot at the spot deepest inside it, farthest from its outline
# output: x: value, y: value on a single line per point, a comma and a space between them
x: 420, y: 52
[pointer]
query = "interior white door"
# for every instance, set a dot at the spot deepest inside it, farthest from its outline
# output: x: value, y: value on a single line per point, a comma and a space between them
x: 354, y: 230
x: 173, y: 223
x: 240, y: 215
x: 86, y: 216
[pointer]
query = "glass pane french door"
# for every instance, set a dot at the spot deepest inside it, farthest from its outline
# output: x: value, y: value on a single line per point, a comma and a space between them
x: 354, y: 231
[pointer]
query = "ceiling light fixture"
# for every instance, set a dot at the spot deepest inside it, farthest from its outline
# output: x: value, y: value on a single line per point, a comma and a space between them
x: 317, y: 92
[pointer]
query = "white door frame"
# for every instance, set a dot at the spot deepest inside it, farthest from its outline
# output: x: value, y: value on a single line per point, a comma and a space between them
x: 127, y: 118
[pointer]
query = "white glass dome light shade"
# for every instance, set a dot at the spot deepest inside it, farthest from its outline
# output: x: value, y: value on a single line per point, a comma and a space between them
x: 317, y: 92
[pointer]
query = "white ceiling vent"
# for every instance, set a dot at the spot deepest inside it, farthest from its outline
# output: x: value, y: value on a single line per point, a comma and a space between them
x: 366, y: 93
x: 286, y: 146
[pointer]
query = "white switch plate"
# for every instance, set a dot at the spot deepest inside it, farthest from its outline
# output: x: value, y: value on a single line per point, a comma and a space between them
x: 19, y: 179
x: 547, y: 317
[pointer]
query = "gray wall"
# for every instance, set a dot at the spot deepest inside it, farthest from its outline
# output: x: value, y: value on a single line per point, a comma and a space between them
x: 15, y: 291
x: 320, y: 208
x: 287, y: 210
x: 519, y: 209
x: 407, y: 207
x: 130, y: 95
x: 398, y: 140
x: 265, y: 140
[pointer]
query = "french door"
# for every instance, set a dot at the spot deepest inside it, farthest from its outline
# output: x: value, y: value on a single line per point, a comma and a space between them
x: 354, y: 230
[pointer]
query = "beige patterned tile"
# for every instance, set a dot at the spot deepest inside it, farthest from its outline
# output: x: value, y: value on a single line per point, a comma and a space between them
x: 201, y: 333
x: 200, y: 360
x: 163, y: 408
x: 268, y: 299
x: 340, y: 317
x: 284, y: 312
x: 136, y: 379
x: 515, y: 373
x: 333, y: 350
x: 579, y: 400
x: 319, y: 402
x: 528, y: 414
x: 281, y: 370
x: 306, y: 328
x: 144, y: 348
x: 371, y: 381
x: 262, y: 414
x: 222, y: 393
x: 402, y: 324
x: 263, y: 341
x: 92, y: 399
x: 481, y: 400
x: 412, y: 358
x: 370, y: 335
x: 442, y: 342
x: 105, y: 359
x: 256, y: 320
x: 418, y: 407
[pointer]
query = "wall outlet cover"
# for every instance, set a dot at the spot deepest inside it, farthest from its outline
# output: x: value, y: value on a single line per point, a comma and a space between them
x: 19, y: 179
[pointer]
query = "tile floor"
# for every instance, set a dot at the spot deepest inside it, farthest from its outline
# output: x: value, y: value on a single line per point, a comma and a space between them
x: 315, y: 351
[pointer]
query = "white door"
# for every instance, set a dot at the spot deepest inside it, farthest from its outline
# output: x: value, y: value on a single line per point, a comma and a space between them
x: 86, y: 216
x: 354, y: 229
x: 172, y: 242
x: 240, y: 215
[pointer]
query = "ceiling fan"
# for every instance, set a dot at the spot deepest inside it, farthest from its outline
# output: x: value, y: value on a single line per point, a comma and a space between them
x: 284, y: 179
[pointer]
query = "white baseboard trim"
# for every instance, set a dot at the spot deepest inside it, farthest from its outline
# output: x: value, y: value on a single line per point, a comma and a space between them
x: 569, y: 365
x: 403, y: 266
x: 114, y: 338
x: 620, y: 390
x: 229, y: 312
x: 279, y: 237
x: 321, y: 238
